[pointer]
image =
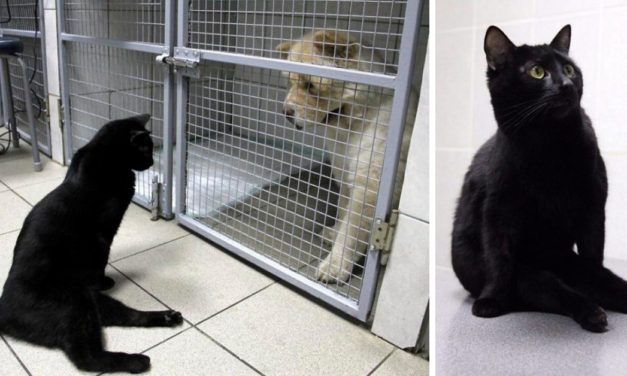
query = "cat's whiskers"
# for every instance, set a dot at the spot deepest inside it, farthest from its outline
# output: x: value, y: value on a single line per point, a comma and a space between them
x: 514, y: 119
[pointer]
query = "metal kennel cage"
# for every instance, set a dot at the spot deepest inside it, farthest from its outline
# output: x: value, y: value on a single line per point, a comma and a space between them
x: 245, y: 177
x: 24, y: 19
x: 108, y: 71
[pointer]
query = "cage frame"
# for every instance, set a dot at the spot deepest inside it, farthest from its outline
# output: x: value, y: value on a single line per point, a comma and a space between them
x: 45, y: 145
x: 163, y: 207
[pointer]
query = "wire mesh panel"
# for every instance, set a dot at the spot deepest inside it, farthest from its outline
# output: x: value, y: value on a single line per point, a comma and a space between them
x: 107, y: 83
x: 129, y: 20
x: 19, y: 14
x: 23, y: 19
x: 38, y: 92
x: 286, y: 193
x: 257, y: 27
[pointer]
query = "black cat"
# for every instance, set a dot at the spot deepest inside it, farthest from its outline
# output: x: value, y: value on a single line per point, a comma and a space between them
x: 535, y: 190
x: 51, y: 296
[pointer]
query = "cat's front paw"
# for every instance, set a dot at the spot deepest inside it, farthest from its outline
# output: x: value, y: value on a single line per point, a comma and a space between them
x: 594, y: 320
x: 105, y: 283
x: 137, y: 363
x: 165, y: 318
x: 487, y: 307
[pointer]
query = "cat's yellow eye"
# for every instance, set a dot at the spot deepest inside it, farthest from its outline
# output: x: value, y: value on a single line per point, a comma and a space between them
x: 536, y: 72
x: 569, y: 70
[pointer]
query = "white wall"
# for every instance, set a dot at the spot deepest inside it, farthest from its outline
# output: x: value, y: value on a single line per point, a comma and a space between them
x: 464, y: 117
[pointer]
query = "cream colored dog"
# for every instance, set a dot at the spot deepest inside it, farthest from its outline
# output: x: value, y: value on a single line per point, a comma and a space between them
x: 356, y: 117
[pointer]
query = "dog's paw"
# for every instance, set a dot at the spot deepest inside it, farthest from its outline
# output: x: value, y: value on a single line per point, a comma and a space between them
x: 137, y: 363
x: 330, y: 272
x: 487, y: 307
x: 594, y: 320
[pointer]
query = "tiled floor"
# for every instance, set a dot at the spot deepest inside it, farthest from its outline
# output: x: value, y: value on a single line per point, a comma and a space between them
x: 239, y: 321
x: 526, y: 343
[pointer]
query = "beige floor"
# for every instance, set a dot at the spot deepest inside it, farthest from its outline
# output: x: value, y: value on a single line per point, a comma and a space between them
x: 238, y: 320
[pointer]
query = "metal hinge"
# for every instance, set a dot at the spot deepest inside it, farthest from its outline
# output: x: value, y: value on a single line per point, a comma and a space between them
x: 155, y: 201
x: 383, y: 234
x: 185, y: 61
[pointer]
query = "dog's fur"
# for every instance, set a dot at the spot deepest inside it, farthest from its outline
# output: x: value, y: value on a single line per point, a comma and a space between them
x: 356, y: 118
x: 51, y: 295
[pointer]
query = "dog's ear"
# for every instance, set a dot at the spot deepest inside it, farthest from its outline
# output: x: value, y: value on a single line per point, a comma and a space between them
x: 335, y: 43
x: 284, y: 48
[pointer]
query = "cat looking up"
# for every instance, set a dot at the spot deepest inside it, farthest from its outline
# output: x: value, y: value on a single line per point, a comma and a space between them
x: 529, y: 230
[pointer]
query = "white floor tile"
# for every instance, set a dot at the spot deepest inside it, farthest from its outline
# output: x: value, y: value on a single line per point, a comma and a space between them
x: 192, y: 276
x: 403, y: 363
x: 10, y: 365
x: 13, y: 210
x: 522, y: 343
x: 137, y: 233
x: 7, y: 243
x: 49, y: 362
x: 192, y: 353
x: 35, y: 192
x: 3, y: 187
x: 19, y: 172
x: 279, y: 332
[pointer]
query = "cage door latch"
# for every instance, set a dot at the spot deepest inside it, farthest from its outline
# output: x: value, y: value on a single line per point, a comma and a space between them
x: 156, y: 198
x: 185, y: 61
x: 383, y: 234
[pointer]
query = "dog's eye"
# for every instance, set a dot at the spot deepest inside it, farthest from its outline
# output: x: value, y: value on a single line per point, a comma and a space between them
x: 310, y: 87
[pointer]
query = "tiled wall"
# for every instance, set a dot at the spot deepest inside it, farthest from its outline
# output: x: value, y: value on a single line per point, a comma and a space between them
x: 464, y: 117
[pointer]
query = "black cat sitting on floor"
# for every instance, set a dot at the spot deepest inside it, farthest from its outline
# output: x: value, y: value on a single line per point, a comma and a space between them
x: 535, y: 190
x: 51, y: 296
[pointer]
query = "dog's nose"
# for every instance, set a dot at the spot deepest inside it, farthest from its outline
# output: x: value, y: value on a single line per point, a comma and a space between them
x: 289, y: 114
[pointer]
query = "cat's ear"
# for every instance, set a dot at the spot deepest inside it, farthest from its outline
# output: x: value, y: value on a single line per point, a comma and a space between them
x: 136, y: 134
x: 497, y: 47
x: 561, y: 42
x: 142, y: 119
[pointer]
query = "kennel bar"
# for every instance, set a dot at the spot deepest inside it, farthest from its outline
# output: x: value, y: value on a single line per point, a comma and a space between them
x: 108, y: 71
x: 23, y: 25
x: 222, y: 60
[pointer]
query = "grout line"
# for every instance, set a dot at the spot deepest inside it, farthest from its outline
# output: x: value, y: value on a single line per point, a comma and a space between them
x: 16, y: 356
x: 229, y: 351
x: 12, y: 190
x: 147, y: 292
x: 159, y: 343
x: 381, y: 362
x: 414, y: 217
x: 167, y: 339
x: 148, y: 249
x: 234, y: 304
x: 36, y: 183
x: 8, y: 232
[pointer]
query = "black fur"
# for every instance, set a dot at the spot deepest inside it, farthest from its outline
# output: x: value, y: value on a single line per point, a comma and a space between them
x: 534, y: 191
x: 51, y: 296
